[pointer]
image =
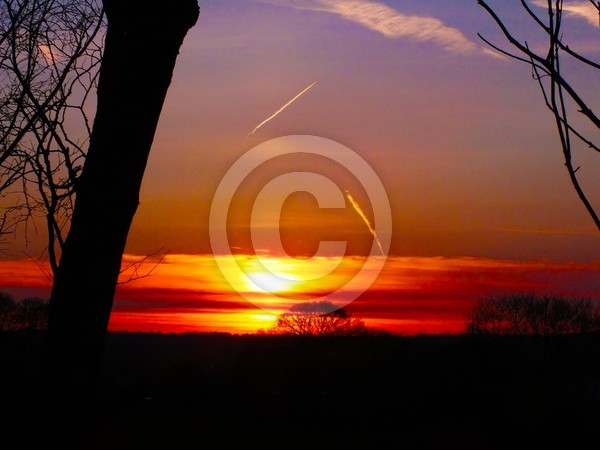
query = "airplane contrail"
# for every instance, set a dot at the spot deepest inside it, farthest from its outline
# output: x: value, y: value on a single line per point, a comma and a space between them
x: 360, y: 212
x: 282, y: 108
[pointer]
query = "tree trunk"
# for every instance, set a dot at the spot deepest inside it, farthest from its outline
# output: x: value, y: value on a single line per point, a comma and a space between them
x: 141, y: 47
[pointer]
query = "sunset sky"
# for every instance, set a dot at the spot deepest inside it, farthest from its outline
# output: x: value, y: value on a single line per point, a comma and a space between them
x: 460, y: 138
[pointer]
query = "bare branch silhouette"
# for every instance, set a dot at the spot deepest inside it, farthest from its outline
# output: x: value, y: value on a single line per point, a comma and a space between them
x: 50, y: 53
x: 558, y: 93
x: 132, y: 271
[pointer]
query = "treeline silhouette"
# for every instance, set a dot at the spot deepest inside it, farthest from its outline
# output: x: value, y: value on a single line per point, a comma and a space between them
x: 30, y: 314
x: 516, y: 314
x: 216, y: 390
x: 526, y: 314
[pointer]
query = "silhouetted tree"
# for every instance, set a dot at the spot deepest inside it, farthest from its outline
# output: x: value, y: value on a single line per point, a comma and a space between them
x: 50, y: 52
x: 559, y: 93
x: 7, y: 312
x: 319, y: 318
x: 50, y: 55
x: 141, y: 46
x: 532, y: 315
x: 30, y: 314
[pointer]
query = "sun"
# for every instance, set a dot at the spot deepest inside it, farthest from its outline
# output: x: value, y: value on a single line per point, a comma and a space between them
x: 289, y: 276
x: 265, y: 281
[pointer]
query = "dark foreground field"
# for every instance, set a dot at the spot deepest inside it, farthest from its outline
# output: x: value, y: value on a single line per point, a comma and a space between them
x: 198, y: 391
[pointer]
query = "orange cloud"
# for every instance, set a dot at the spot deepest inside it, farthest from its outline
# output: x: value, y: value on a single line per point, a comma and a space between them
x: 411, y: 295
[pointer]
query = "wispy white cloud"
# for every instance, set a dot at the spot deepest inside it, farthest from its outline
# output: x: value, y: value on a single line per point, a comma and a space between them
x: 389, y: 22
x: 581, y: 9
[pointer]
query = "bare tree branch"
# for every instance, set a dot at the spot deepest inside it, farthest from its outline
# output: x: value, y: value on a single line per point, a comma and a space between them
x: 556, y: 90
x: 50, y: 53
x: 132, y: 271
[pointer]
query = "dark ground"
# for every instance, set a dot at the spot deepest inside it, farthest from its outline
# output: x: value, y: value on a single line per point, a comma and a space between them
x: 197, y: 391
